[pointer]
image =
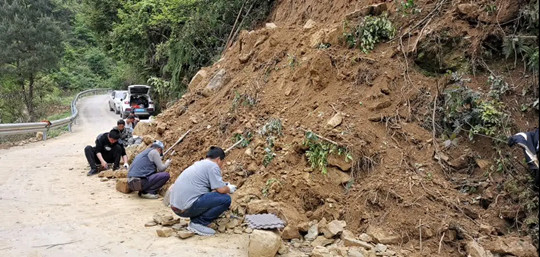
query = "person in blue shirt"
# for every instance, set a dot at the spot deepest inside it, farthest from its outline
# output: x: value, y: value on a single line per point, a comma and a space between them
x: 147, y: 172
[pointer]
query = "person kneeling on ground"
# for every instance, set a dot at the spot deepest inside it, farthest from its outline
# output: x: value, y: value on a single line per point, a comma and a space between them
x: 107, y: 150
x: 529, y: 142
x: 199, y: 192
x: 142, y: 175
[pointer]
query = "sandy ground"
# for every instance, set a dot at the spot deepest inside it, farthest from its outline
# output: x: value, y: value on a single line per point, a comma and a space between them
x: 49, y: 207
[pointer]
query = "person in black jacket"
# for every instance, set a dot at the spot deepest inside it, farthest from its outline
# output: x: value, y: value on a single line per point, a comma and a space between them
x: 107, y: 150
x: 529, y: 142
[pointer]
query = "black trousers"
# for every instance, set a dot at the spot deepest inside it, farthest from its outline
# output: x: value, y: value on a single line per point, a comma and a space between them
x: 112, y: 156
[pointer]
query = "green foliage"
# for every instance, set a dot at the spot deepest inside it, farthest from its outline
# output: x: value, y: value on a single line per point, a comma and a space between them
x: 268, y: 156
x: 318, y: 152
x: 372, y: 30
x: 203, y: 37
x: 31, y: 40
x: 497, y: 86
x: 464, y: 108
x: 526, y: 48
x: 268, y: 185
x: 273, y: 127
x: 407, y: 7
x: 243, y: 100
x: 246, y: 138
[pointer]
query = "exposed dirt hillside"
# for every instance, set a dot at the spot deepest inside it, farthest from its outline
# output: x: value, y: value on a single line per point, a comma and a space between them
x: 301, y: 72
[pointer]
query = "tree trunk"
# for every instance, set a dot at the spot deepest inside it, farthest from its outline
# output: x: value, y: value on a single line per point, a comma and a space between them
x: 30, y: 103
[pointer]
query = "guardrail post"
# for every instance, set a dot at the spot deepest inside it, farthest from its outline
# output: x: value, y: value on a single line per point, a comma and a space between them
x: 45, y: 135
x: 69, y: 127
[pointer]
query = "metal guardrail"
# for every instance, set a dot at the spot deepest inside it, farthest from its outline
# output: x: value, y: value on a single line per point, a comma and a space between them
x: 20, y: 128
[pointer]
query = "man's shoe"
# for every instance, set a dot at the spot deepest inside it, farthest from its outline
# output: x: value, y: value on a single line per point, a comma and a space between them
x: 149, y: 196
x: 200, y: 229
x: 92, y: 172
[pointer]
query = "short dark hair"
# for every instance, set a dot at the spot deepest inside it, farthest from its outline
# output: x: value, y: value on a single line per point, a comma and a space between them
x: 114, y: 134
x: 120, y: 122
x: 131, y: 116
x: 215, y: 152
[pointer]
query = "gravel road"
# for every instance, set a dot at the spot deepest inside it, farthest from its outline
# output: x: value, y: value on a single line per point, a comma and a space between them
x: 49, y: 207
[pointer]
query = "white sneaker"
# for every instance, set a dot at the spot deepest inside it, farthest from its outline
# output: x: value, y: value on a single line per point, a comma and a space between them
x: 149, y: 196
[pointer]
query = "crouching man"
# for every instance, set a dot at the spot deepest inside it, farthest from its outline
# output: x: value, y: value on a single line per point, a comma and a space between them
x: 199, y: 192
x: 107, y: 150
x: 147, y: 173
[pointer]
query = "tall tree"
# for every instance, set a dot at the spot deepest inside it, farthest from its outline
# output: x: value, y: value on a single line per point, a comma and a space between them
x: 30, y: 43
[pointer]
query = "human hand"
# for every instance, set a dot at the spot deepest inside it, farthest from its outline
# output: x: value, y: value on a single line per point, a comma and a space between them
x: 232, y: 188
x: 168, y: 161
x: 104, y: 165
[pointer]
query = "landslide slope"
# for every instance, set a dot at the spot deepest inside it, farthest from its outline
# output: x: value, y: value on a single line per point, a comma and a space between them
x: 277, y: 82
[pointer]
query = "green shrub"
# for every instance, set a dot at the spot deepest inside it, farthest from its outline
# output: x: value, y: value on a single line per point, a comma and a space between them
x: 372, y: 30
x: 466, y: 109
x: 318, y: 152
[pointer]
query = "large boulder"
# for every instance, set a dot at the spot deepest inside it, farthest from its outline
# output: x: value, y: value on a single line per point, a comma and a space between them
x: 512, y: 245
x: 263, y: 243
x: 122, y: 186
x: 475, y: 250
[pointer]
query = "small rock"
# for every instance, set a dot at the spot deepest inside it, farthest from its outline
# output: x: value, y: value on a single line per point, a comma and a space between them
x: 185, y: 234
x: 238, y: 230
x: 290, y: 232
x: 271, y: 26
x: 380, y: 248
x: 486, y: 229
x: 165, y: 232
x: 150, y: 224
x: 248, y: 230
x: 321, y: 241
x: 122, y: 186
x: 336, y: 120
x: 475, y: 250
x: 104, y: 179
x: 333, y: 228
x: 380, y: 236
x: 303, y: 227
x: 249, y: 152
x: 320, y: 251
x: 169, y: 220
x: 354, y: 242
x: 233, y: 223
x: 365, y: 237
x: 516, y: 246
x: 309, y: 24
x: 39, y: 135
x: 252, y: 167
x: 283, y: 249
x: 263, y: 243
x: 355, y: 252
x: 313, y: 232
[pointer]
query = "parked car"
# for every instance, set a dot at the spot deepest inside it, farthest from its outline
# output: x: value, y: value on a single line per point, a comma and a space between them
x: 115, y: 99
x: 137, y: 100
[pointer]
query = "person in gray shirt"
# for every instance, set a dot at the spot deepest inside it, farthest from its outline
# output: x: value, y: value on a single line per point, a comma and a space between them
x: 147, y: 171
x: 200, y: 194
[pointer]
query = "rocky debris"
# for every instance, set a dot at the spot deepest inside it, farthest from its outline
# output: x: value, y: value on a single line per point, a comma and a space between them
x: 290, y: 232
x: 122, y: 186
x: 333, y: 228
x: 150, y: 224
x: 321, y: 241
x: 375, y: 9
x: 475, y: 250
x: 198, y: 78
x: 313, y: 232
x: 39, y: 135
x: 161, y: 128
x: 337, y: 176
x: 309, y: 24
x: 320, y: 251
x: 335, y: 120
x: 357, y: 252
x: 263, y: 243
x: 143, y: 128
x: 185, y: 234
x: 283, y: 249
x: 511, y: 245
x: 104, y: 179
x: 219, y: 79
x: 165, y: 232
x: 270, y: 26
x: 106, y: 174
x: 166, y: 220
x: 483, y: 163
x: 350, y: 240
x: 120, y: 174
x: 148, y: 140
x: 339, y: 162
x: 382, y: 237
x: 244, y: 58
x: 365, y: 237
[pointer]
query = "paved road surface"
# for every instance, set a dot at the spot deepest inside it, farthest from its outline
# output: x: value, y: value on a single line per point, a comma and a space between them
x: 49, y: 207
